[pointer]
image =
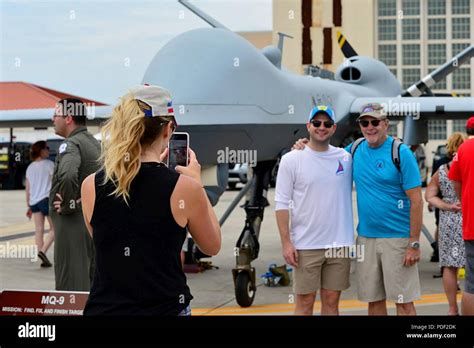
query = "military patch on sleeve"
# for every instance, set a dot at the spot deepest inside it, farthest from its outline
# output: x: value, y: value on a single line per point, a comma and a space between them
x: 62, y: 148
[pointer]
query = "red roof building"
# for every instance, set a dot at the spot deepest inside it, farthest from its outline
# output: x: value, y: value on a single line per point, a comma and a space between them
x: 22, y: 95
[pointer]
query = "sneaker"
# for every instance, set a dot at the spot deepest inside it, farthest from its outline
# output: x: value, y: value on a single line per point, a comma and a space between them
x: 45, y: 259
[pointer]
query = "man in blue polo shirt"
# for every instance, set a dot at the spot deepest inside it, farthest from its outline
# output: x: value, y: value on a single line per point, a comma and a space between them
x: 389, y: 203
x: 390, y: 209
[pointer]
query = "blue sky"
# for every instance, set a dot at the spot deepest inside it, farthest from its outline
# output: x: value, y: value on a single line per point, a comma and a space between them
x: 97, y: 49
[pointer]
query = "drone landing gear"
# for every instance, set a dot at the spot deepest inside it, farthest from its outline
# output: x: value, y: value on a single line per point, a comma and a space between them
x: 247, y: 247
x: 245, y: 251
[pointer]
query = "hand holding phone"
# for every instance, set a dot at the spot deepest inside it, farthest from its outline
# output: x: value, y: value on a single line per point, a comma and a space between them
x: 193, y: 169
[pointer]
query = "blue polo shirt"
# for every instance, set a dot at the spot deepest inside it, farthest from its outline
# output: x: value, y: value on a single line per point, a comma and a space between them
x: 382, y: 204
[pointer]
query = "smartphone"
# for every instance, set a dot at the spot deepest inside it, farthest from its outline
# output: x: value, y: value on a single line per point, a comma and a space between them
x: 178, y: 150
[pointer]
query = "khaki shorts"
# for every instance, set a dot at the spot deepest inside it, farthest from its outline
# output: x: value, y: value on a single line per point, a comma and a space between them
x: 316, y: 271
x: 381, y: 274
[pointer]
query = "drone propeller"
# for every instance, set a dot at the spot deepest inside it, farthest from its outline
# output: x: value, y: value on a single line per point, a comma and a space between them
x: 345, y: 46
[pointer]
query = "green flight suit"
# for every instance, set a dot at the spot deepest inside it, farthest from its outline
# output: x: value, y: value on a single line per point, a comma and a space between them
x: 73, y: 248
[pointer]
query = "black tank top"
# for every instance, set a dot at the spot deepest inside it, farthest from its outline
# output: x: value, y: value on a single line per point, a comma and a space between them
x: 138, y: 266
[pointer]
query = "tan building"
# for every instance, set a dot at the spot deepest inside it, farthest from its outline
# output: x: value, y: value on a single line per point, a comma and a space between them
x: 314, y: 24
x: 412, y: 37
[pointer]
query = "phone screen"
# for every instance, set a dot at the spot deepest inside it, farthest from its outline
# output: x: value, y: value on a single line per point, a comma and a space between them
x: 178, y: 150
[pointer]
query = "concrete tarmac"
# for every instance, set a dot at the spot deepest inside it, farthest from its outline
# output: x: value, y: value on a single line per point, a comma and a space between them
x: 213, y: 290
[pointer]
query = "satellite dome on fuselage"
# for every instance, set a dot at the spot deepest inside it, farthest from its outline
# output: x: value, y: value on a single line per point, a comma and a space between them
x: 368, y: 72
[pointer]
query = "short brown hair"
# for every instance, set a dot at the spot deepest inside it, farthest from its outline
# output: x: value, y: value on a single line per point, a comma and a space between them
x: 36, y: 148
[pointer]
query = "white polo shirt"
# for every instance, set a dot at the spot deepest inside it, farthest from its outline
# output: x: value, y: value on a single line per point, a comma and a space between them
x: 316, y: 187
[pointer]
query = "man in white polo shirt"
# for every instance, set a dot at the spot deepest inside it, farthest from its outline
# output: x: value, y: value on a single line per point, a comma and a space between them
x: 314, y: 187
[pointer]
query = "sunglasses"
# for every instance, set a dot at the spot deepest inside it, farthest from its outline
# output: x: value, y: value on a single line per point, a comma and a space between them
x: 174, y: 124
x: 327, y: 124
x: 365, y: 123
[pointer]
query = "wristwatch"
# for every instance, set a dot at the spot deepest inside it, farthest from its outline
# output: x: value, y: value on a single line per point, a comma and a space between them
x: 415, y: 245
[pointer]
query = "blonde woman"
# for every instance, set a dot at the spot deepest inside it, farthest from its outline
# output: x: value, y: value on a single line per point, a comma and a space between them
x: 451, y: 245
x: 38, y: 185
x: 137, y: 211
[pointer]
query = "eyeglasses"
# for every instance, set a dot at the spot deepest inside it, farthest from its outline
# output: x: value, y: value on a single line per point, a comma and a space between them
x: 365, y: 123
x: 327, y: 124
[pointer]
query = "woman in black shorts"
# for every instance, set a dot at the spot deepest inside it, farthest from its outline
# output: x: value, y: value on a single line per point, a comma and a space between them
x: 38, y: 185
x: 138, y: 211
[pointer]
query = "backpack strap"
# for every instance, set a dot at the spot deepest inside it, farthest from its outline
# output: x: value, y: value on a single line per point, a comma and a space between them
x: 355, y: 145
x: 397, y: 143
